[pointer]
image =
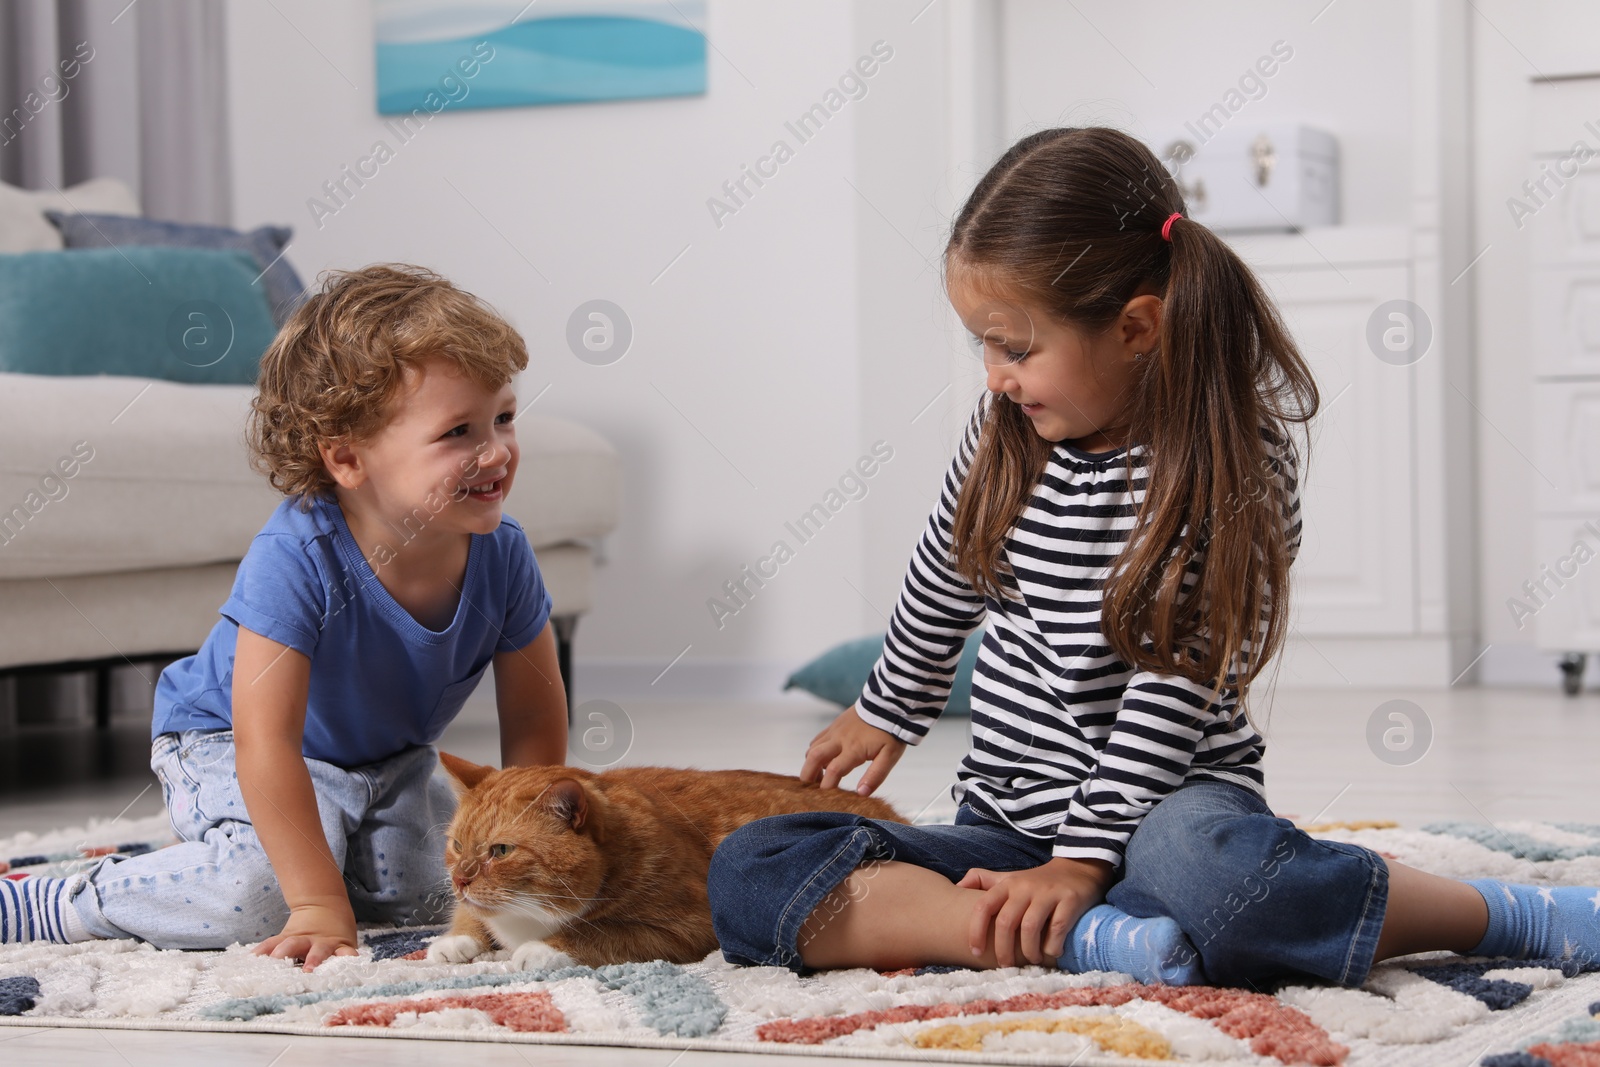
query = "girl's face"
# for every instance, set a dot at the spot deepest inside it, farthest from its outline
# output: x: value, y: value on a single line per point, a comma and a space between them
x: 1071, y: 385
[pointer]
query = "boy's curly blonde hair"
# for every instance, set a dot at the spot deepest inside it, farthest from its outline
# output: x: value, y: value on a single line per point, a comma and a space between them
x: 336, y: 369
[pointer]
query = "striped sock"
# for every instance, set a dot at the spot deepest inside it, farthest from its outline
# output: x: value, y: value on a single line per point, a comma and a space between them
x: 1530, y: 922
x: 1150, y: 950
x: 36, y: 909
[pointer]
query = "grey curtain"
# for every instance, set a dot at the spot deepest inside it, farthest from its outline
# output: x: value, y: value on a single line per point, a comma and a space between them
x: 108, y: 88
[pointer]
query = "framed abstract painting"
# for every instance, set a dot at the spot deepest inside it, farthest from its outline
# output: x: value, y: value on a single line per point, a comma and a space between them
x: 435, y: 54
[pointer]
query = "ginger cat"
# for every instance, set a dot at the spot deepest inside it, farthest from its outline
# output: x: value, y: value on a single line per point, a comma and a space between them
x: 562, y: 865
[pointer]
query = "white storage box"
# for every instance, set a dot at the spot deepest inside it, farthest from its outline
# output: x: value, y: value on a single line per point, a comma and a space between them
x: 1244, y: 178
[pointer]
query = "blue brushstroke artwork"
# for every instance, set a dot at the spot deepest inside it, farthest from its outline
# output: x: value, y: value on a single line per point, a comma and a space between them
x: 433, y: 54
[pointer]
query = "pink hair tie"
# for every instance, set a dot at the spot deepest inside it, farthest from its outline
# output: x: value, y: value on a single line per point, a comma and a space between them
x: 1166, y: 227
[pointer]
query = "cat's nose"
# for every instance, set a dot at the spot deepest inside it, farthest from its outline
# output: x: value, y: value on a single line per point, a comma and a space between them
x: 461, y: 883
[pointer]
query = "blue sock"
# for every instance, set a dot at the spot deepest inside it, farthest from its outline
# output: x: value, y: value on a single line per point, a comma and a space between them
x: 36, y: 909
x: 1149, y: 950
x: 1530, y: 922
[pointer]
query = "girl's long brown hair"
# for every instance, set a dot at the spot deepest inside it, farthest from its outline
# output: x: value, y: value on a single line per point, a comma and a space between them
x: 1225, y: 371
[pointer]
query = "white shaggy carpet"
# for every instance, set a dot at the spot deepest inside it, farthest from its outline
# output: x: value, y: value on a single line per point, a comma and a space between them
x: 1415, y: 1011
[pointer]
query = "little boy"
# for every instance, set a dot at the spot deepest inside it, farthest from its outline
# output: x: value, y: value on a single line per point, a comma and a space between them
x: 295, y: 749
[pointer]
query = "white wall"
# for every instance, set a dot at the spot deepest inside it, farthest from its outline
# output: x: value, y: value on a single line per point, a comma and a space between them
x: 919, y: 150
x: 758, y: 374
x: 812, y: 323
x: 1147, y: 68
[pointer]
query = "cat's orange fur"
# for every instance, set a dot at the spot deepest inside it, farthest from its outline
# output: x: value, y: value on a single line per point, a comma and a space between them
x: 603, y: 868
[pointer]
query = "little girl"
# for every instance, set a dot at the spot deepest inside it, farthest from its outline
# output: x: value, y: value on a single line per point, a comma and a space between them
x: 1123, y: 511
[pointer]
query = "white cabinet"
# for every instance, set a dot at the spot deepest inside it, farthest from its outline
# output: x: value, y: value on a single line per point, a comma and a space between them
x: 1561, y: 596
x: 1566, y: 228
x: 1564, y: 594
x: 1355, y: 573
x: 1567, y: 447
x: 1565, y: 304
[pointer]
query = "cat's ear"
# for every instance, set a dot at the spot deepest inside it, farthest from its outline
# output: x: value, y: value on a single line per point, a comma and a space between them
x: 464, y: 774
x: 567, y: 801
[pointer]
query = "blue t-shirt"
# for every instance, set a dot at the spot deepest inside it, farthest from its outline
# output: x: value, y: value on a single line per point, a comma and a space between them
x: 380, y: 680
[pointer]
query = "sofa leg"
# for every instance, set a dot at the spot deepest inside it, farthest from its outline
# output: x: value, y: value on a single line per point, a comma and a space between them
x: 565, y: 626
x: 102, y: 696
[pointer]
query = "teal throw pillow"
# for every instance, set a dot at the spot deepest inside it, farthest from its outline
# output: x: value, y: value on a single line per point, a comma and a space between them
x: 839, y: 674
x: 266, y: 244
x: 179, y: 314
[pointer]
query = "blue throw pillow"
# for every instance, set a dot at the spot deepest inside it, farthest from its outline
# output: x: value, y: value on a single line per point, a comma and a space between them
x: 839, y: 674
x: 265, y: 243
x: 182, y: 314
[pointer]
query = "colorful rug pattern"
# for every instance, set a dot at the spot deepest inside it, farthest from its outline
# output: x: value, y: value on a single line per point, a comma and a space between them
x: 1433, y: 1009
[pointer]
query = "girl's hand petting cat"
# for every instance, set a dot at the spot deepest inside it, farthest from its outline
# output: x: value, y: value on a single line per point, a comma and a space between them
x: 1035, y: 909
x: 313, y: 933
x: 846, y: 744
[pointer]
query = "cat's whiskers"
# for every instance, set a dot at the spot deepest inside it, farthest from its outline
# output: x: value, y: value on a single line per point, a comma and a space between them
x: 581, y: 915
x: 582, y: 912
x: 552, y: 918
x: 533, y: 908
x: 575, y: 917
x: 548, y: 901
x: 591, y: 900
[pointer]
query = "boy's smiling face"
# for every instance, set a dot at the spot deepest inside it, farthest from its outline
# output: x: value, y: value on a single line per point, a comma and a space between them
x: 448, y: 437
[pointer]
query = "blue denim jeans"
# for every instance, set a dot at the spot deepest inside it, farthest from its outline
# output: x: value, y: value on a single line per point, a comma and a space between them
x: 384, y: 823
x: 1260, y: 899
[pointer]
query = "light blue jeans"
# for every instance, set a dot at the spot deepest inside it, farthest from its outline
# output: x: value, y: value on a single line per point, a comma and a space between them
x: 384, y: 822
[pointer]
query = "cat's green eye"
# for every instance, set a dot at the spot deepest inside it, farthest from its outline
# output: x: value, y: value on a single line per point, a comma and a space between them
x: 499, y: 851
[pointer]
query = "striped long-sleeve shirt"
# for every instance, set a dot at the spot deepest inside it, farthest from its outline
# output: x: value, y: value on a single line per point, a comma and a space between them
x: 1068, y: 741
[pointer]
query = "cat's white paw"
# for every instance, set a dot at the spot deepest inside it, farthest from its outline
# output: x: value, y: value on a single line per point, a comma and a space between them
x: 458, y: 948
x: 538, y: 955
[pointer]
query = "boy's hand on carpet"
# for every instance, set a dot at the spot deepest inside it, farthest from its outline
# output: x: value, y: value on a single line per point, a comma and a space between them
x: 847, y: 743
x: 1033, y: 910
x: 313, y: 933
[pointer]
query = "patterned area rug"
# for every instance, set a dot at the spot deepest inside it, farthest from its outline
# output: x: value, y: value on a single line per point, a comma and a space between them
x: 1425, y: 1010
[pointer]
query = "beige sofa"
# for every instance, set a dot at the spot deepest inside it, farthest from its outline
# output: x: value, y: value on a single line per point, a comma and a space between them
x: 127, y: 503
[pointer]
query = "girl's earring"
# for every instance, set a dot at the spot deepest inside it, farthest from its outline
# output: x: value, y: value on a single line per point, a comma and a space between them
x: 1138, y: 355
